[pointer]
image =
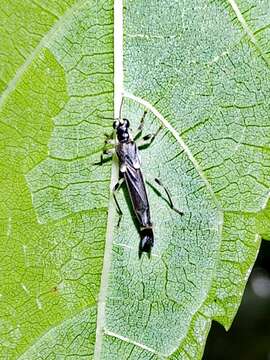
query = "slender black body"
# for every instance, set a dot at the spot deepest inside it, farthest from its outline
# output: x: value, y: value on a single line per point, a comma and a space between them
x: 129, y: 161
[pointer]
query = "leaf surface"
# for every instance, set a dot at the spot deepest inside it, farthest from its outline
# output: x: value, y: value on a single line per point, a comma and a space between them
x: 201, y: 69
x: 53, y: 203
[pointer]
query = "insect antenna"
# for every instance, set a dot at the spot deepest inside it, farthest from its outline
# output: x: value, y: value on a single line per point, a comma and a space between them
x: 121, y: 106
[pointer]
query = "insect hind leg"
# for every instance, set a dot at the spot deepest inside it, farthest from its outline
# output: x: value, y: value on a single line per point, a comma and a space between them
x: 169, y: 197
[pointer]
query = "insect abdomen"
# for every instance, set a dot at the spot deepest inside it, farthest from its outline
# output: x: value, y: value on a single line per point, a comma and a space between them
x: 146, y: 242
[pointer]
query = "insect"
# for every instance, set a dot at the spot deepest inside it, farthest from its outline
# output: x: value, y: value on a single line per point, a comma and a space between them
x: 130, y: 173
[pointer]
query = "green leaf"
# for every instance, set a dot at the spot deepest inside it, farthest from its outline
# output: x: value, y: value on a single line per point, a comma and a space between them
x: 54, y: 113
x: 204, y: 66
x: 201, y: 69
x: 25, y: 29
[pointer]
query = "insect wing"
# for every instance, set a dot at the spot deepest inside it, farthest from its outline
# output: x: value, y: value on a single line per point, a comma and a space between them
x: 138, y: 195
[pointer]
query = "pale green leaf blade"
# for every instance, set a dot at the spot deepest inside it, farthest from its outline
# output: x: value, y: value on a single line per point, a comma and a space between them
x: 25, y: 27
x: 53, y: 201
x: 203, y: 69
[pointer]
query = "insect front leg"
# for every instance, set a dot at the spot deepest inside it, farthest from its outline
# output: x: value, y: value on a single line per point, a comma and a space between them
x: 108, y: 149
x: 140, y: 127
x: 114, y: 190
x: 169, y: 197
x: 110, y: 139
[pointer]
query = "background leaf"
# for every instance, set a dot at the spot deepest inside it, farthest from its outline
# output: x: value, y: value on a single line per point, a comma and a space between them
x: 202, y: 70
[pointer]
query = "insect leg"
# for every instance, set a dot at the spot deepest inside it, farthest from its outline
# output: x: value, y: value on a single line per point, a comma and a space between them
x: 109, y: 139
x: 140, y: 127
x: 148, y: 139
x: 169, y: 197
x: 103, y: 159
x: 107, y: 149
x: 115, y: 189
